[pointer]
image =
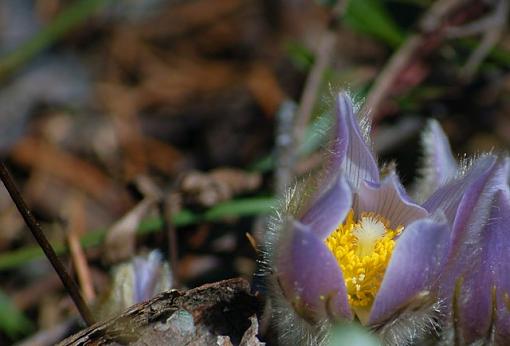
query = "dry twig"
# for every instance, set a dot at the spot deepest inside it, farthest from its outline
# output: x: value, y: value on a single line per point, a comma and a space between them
x: 77, y: 227
x: 45, y: 245
x: 432, y: 30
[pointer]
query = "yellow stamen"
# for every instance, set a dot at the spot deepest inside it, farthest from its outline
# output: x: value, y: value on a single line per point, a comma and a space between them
x: 363, y: 250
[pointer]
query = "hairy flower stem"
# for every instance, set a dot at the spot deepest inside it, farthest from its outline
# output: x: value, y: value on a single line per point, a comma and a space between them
x: 36, y: 230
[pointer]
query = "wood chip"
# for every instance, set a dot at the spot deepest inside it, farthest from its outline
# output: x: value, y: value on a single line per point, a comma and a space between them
x: 194, y: 317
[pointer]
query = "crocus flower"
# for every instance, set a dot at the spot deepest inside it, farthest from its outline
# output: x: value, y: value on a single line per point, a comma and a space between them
x: 356, y: 246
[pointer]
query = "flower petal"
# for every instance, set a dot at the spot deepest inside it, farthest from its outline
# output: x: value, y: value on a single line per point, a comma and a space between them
x: 413, y: 268
x: 439, y: 165
x: 149, y: 273
x: 389, y: 199
x: 448, y: 197
x: 473, y: 210
x: 467, y: 277
x: 330, y: 209
x: 500, y: 258
x: 484, y: 294
x: 349, y: 150
x: 310, y: 276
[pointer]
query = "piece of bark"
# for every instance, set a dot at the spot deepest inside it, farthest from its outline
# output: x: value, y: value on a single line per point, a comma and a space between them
x: 208, y: 315
x: 250, y: 336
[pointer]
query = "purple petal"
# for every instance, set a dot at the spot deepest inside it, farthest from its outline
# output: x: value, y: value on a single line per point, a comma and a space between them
x: 473, y: 235
x: 413, y: 268
x: 330, y: 209
x: 472, y: 212
x: 340, y: 142
x: 390, y: 201
x: 349, y: 150
x: 489, y: 270
x: 439, y: 152
x: 467, y: 211
x: 439, y: 165
x: 310, y: 276
x: 500, y: 259
x: 448, y: 197
x: 147, y: 274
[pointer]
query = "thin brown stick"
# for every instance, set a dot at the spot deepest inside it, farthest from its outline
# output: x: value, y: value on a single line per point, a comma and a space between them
x: 312, y: 84
x: 390, y: 72
x: 168, y: 208
x: 491, y: 28
x: 313, y: 81
x: 285, y: 152
x: 76, y: 229
x: 430, y: 22
x: 38, y: 234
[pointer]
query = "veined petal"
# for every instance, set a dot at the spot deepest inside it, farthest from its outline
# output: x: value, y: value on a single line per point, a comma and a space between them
x: 448, y: 197
x: 467, y: 277
x: 389, y: 199
x: 330, y: 209
x: 310, y: 276
x: 340, y: 140
x: 414, y: 266
x: 473, y: 210
x: 439, y: 165
x: 484, y: 295
x: 350, y: 151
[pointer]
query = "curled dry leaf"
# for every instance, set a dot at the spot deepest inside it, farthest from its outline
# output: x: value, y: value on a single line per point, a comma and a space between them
x: 208, y: 189
x: 120, y: 240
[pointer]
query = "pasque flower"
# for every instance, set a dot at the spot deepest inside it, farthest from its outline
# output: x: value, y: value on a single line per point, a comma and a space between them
x: 475, y: 281
x: 134, y: 282
x: 348, y: 243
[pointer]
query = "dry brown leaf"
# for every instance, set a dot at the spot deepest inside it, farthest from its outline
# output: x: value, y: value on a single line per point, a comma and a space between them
x: 265, y: 88
x: 189, y: 16
x: 50, y: 195
x: 121, y: 104
x: 121, y: 237
x: 35, y: 153
x: 208, y: 189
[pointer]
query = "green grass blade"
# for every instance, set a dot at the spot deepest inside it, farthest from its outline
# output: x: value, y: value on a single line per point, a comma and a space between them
x: 370, y: 17
x: 12, y: 321
x: 233, y: 208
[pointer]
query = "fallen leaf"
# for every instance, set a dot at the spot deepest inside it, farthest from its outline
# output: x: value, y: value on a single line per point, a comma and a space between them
x: 219, y: 185
x: 120, y: 240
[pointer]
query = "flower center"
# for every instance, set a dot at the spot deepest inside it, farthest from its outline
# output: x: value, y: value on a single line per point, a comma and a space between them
x: 363, y: 250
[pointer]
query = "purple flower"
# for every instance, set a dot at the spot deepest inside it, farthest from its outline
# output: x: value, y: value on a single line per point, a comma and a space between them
x: 475, y: 283
x: 347, y: 244
x: 134, y: 282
